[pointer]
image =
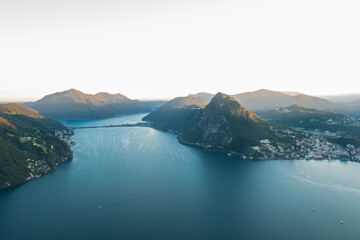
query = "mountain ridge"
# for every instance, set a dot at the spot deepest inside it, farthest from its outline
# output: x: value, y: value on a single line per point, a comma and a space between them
x: 73, y: 104
x: 264, y: 99
x: 223, y: 125
x: 13, y: 108
x: 181, y: 110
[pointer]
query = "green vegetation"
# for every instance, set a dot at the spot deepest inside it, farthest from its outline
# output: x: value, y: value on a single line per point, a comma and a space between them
x: 223, y: 125
x: 264, y: 100
x: 347, y: 128
x: 176, y: 114
x: 300, y: 116
x: 13, y: 108
x: 5, y: 123
x: 28, y: 146
x: 345, y: 140
x: 75, y: 105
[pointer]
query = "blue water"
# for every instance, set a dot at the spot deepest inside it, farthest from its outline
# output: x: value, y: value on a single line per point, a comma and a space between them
x: 140, y: 183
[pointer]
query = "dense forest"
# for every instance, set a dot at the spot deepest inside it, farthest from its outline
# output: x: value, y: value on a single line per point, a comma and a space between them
x: 222, y: 125
x: 30, y: 144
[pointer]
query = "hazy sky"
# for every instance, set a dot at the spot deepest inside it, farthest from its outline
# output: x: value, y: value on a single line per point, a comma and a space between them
x: 160, y: 49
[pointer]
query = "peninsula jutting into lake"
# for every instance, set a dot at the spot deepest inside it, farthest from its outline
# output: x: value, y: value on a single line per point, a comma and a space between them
x: 121, y: 177
x: 216, y: 123
x: 179, y: 120
x: 188, y: 158
x: 224, y: 125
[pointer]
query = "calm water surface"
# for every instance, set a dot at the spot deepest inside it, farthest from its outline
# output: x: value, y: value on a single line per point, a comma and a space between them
x: 140, y: 183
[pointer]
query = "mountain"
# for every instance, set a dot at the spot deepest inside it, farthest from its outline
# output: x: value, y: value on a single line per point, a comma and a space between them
x: 13, y: 108
x: 112, y: 98
x: 30, y: 144
x: 354, y: 105
x: 5, y: 123
x: 300, y: 116
x: 312, y: 119
x: 291, y: 93
x: 342, y: 98
x: 205, y: 95
x: 187, y: 102
x: 353, y: 108
x: 76, y: 105
x: 264, y: 100
x: 226, y: 125
x: 223, y: 125
x: 175, y: 114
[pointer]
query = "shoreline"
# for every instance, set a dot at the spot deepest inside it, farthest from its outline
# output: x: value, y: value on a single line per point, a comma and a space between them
x: 239, y: 154
x: 67, y: 140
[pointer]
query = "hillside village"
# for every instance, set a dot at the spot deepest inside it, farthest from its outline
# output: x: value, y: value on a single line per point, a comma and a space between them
x: 40, y: 167
x: 313, y: 146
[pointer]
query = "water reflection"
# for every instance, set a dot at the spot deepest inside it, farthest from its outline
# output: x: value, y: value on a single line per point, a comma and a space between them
x: 140, y: 183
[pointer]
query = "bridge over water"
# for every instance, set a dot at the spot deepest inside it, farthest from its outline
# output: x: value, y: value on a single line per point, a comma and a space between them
x: 115, y: 126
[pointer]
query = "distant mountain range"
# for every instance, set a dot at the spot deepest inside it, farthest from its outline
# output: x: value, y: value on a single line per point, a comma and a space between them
x: 264, y: 100
x: 313, y: 119
x: 222, y: 125
x: 30, y: 144
x: 291, y: 93
x: 177, y: 113
x: 342, y: 98
x: 76, y: 105
x: 204, y: 95
x: 257, y: 124
x: 350, y: 102
x: 308, y: 118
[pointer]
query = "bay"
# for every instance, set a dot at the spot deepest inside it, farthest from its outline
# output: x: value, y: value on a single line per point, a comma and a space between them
x: 141, y: 183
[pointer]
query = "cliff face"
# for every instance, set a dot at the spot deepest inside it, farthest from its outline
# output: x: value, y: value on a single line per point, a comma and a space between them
x: 223, y: 125
x: 226, y: 125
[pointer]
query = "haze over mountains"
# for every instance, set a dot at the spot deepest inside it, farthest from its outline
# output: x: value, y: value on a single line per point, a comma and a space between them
x: 222, y: 125
x: 177, y: 113
x: 343, y: 98
x: 300, y: 116
x: 76, y: 105
x: 251, y: 124
x: 346, y: 127
x: 263, y: 100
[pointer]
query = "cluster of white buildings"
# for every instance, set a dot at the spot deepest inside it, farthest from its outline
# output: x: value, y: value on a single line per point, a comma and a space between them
x: 37, y: 168
x: 311, y: 147
x: 64, y: 135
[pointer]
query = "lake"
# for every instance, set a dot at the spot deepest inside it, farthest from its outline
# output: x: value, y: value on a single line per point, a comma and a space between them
x: 140, y: 183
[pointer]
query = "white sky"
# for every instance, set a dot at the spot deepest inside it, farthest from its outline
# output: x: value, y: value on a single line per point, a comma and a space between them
x: 149, y: 49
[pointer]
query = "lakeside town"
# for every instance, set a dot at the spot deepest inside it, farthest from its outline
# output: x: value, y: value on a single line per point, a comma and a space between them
x: 65, y: 136
x: 314, y: 145
x: 39, y: 167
